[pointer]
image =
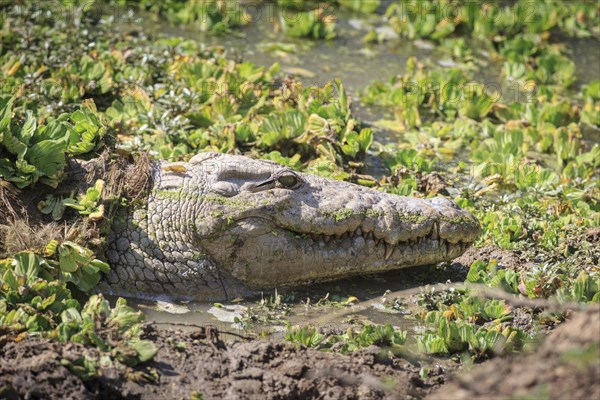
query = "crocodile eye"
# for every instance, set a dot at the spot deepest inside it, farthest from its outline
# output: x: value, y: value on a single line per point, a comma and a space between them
x: 288, y: 181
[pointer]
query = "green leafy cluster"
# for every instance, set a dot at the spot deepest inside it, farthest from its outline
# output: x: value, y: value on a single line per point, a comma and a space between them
x: 114, y: 332
x: 74, y: 263
x: 313, y: 24
x: 361, y: 6
x: 455, y: 336
x: 544, y: 282
x: 173, y: 98
x: 384, y: 336
x: 439, y: 19
x: 215, y: 17
x: 88, y: 204
x: 32, y: 302
x: 458, y: 321
x: 300, y: 18
x: 447, y: 93
x: 66, y: 262
x: 32, y: 152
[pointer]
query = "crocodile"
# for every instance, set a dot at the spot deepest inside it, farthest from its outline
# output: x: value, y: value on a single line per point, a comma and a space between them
x: 222, y: 226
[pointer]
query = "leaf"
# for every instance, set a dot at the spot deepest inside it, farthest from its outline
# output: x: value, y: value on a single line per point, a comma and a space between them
x: 349, y: 301
x: 47, y: 302
x: 13, y: 144
x: 48, y: 156
x: 101, y: 265
x: 317, y: 124
x: 5, y: 115
x: 71, y: 315
x: 177, y: 168
x: 10, y: 280
x: 66, y: 258
x: 145, y: 348
x: 593, y: 90
x: 365, y: 139
x: 363, y: 6
x: 27, y: 264
x: 28, y: 129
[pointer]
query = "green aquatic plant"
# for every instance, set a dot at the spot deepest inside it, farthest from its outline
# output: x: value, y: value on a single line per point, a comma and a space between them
x: 545, y: 281
x: 362, y: 6
x: 591, y: 110
x: 438, y: 19
x: 457, y: 336
x: 307, y: 335
x: 447, y: 93
x: 37, y: 152
x: 314, y: 24
x: 378, y: 335
x: 385, y: 336
x: 491, y: 275
x: 87, y: 204
x: 33, y: 302
x: 75, y: 263
x: 172, y: 98
x: 30, y: 156
x: 214, y: 16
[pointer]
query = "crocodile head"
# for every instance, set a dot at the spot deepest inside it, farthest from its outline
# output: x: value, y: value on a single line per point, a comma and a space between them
x: 266, y: 225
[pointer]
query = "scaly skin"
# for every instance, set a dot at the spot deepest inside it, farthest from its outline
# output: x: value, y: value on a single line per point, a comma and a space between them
x: 222, y: 226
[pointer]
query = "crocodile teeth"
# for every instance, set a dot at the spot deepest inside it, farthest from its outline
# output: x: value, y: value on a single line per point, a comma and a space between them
x: 327, y: 238
x: 358, y: 232
x: 389, y: 250
x: 435, y: 231
x: 370, y: 236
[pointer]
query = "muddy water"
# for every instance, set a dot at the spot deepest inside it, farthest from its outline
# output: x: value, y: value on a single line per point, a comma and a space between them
x: 316, y: 63
x: 321, y: 304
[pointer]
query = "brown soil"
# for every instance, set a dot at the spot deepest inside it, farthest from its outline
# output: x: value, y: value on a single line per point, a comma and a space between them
x: 566, y: 366
x: 505, y: 258
x: 190, y: 363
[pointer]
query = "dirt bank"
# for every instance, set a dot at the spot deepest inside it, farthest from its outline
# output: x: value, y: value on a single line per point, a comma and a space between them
x: 567, y: 365
x: 194, y: 362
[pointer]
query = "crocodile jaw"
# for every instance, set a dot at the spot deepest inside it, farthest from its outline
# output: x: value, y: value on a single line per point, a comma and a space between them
x: 262, y: 255
x: 328, y: 229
